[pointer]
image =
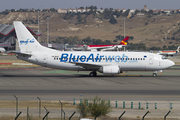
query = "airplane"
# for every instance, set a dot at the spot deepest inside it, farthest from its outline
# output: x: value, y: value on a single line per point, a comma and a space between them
x: 107, y: 47
x: 109, y: 62
x: 2, y: 50
x: 169, y: 52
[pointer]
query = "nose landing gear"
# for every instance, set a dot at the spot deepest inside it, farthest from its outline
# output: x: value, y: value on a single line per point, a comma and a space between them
x: 154, y: 74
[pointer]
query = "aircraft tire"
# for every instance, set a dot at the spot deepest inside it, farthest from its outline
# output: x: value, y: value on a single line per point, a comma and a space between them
x: 154, y: 74
x: 92, y: 74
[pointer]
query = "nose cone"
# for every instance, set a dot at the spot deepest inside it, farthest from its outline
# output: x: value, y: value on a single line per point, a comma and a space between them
x: 166, y: 64
x: 171, y: 63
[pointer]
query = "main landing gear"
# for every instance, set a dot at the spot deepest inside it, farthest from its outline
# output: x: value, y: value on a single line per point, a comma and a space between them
x: 93, y: 74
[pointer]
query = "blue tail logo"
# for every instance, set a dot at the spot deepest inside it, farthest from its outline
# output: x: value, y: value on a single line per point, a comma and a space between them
x: 27, y: 41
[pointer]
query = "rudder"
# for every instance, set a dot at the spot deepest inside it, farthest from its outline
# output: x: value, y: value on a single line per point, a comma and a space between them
x: 124, y: 41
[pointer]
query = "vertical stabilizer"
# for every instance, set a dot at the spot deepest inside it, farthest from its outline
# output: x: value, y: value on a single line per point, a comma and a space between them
x: 124, y: 41
x: 177, y: 49
x: 27, y: 42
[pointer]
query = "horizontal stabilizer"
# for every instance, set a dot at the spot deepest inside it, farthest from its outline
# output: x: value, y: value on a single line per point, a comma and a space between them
x: 20, y: 53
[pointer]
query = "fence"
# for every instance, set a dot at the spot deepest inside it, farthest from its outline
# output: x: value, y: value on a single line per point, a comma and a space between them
x: 62, y: 109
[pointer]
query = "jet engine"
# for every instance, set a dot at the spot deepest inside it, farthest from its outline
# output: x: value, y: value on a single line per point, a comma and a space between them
x: 109, y: 70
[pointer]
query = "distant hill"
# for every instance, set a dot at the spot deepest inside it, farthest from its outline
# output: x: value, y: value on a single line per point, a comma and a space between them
x: 152, y: 31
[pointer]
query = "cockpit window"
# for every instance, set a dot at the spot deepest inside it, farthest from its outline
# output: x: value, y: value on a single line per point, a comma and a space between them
x: 163, y: 57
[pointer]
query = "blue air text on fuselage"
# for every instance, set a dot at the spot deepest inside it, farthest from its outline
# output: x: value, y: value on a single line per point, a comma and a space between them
x: 65, y: 57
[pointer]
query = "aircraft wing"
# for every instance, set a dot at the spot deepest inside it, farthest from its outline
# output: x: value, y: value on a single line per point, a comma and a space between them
x: 103, y: 48
x: 100, y: 48
x: 114, y: 47
x: 88, y: 66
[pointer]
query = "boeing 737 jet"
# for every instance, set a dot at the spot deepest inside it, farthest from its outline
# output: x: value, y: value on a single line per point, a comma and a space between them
x: 104, y: 62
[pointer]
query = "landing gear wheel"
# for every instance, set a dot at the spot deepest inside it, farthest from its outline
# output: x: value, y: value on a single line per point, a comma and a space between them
x: 95, y: 73
x: 154, y: 74
x: 92, y: 74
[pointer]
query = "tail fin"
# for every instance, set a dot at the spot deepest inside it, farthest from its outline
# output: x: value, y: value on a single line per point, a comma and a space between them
x: 124, y: 41
x: 27, y: 42
x: 177, y: 49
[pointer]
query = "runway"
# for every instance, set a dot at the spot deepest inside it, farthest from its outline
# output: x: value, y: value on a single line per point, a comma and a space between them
x: 51, y: 84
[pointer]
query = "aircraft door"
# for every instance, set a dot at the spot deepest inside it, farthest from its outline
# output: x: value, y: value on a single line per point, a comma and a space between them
x: 151, y: 59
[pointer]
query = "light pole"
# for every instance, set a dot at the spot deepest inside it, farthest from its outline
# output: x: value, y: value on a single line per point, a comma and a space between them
x: 47, y: 30
x: 124, y: 27
x: 124, y: 30
x: 38, y: 25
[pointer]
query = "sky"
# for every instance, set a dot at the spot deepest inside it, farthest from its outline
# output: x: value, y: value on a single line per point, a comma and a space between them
x: 121, y: 4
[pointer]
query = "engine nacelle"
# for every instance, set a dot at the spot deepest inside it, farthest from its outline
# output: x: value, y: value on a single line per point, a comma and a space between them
x: 109, y: 70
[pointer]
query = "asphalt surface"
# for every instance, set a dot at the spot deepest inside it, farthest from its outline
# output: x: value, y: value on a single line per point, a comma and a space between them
x: 51, y: 84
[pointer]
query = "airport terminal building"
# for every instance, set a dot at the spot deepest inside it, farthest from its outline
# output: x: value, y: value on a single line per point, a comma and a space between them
x: 8, y: 36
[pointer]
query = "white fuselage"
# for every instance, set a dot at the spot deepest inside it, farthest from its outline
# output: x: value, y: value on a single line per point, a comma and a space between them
x: 127, y: 61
